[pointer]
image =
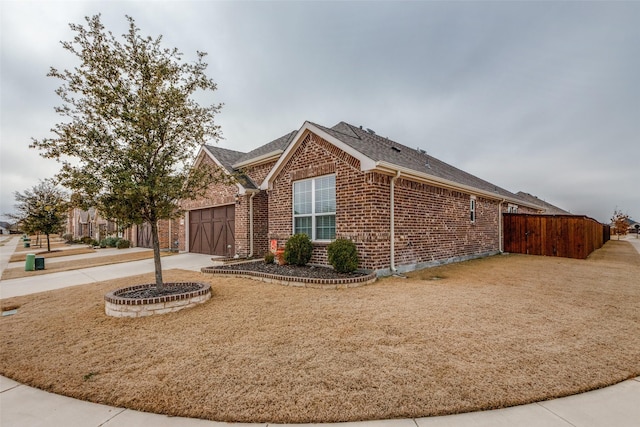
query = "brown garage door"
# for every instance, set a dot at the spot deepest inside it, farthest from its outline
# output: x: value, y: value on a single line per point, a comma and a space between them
x: 144, y: 236
x: 211, y: 231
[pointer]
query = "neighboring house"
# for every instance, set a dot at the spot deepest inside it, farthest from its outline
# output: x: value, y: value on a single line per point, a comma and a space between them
x: 5, y: 228
x: 632, y: 226
x: 88, y: 223
x: 549, y: 209
x: 401, y: 207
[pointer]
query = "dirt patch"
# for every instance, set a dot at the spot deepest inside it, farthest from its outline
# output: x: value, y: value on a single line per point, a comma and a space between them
x: 18, y: 257
x: 488, y: 333
x: 17, y: 272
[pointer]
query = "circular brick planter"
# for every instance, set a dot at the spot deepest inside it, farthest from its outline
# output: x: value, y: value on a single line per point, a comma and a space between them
x: 305, y: 282
x: 117, y: 305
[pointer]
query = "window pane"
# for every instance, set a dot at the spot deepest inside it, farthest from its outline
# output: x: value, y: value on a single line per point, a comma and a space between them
x: 326, y: 194
x: 302, y: 197
x: 326, y: 227
x: 303, y: 225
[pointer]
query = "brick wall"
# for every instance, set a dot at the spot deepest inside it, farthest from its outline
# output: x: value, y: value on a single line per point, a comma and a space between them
x: 432, y: 224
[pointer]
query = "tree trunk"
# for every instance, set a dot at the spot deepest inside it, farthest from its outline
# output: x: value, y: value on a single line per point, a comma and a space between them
x: 156, y: 254
x: 48, y: 244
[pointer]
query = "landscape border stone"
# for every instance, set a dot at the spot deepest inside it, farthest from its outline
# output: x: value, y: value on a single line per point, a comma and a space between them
x: 305, y: 282
x: 119, y: 306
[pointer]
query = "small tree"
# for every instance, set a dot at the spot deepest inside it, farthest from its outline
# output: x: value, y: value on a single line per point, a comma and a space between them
x: 42, y: 209
x: 620, y: 222
x: 132, y: 126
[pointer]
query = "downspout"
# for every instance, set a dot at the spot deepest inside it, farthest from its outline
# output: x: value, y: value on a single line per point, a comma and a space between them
x: 500, y: 238
x: 251, y: 224
x: 392, y: 218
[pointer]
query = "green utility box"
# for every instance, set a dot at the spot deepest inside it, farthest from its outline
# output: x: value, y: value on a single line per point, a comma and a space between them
x: 30, y: 263
x: 27, y: 243
x: 39, y: 263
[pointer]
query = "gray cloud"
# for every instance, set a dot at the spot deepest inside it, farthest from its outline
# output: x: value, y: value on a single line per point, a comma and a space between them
x: 539, y: 97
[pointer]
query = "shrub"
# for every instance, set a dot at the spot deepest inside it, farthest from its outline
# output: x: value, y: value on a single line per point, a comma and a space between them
x: 297, y: 250
x: 94, y: 242
x: 68, y: 238
x: 123, y: 244
x: 86, y: 240
x: 111, y: 242
x: 269, y: 257
x: 343, y: 255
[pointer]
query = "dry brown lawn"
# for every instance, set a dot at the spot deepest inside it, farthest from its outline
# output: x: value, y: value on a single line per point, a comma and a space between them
x: 483, y: 334
x: 16, y: 272
x: 21, y: 256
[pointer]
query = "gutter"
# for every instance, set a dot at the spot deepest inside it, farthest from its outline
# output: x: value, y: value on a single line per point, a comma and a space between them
x: 267, y: 157
x: 500, y: 227
x: 392, y: 255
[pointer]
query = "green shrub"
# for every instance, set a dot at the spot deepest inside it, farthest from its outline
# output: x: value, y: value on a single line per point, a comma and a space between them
x: 123, y: 244
x: 68, y: 238
x: 94, y: 242
x: 86, y: 240
x: 111, y: 242
x: 343, y: 255
x: 269, y: 257
x: 297, y: 250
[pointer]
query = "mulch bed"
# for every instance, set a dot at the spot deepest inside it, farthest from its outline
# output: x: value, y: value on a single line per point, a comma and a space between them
x: 291, y: 270
x: 154, y: 291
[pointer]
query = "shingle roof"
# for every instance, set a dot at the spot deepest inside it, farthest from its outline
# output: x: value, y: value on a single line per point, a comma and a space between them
x: 379, y: 148
x: 548, y: 207
x: 227, y: 158
x: 275, y: 145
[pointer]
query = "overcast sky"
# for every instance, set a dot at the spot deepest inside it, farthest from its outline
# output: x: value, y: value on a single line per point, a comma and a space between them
x: 540, y: 97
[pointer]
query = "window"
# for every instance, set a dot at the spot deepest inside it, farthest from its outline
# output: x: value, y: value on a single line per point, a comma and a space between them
x: 512, y: 208
x: 314, y: 207
x: 472, y: 209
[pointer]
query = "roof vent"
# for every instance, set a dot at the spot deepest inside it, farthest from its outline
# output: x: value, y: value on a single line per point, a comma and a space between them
x: 371, y: 131
x: 396, y: 149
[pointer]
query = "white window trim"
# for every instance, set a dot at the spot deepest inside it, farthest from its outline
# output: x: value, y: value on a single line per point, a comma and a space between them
x: 472, y: 209
x: 511, y: 208
x: 313, y: 213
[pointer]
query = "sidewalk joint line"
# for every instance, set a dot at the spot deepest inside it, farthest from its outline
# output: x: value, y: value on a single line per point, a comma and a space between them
x: 559, y: 416
x: 114, y: 415
x: 9, y: 389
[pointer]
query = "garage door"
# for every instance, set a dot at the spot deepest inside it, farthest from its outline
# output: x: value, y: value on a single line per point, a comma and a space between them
x: 211, y: 231
x: 144, y: 236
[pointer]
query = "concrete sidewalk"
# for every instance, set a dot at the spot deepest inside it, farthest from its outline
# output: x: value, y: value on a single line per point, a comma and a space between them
x: 20, y: 405
x: 612, y: 406
x: 63, y: 279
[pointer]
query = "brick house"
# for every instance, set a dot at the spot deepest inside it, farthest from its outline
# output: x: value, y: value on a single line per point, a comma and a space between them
x: 403, y: 208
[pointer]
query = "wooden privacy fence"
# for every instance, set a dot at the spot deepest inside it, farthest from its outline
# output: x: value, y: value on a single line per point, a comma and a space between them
x: 569, y: 236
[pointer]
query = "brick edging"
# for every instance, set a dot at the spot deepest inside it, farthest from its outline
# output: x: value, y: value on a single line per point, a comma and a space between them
x: 114, y: 298
x: 306, y: 282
